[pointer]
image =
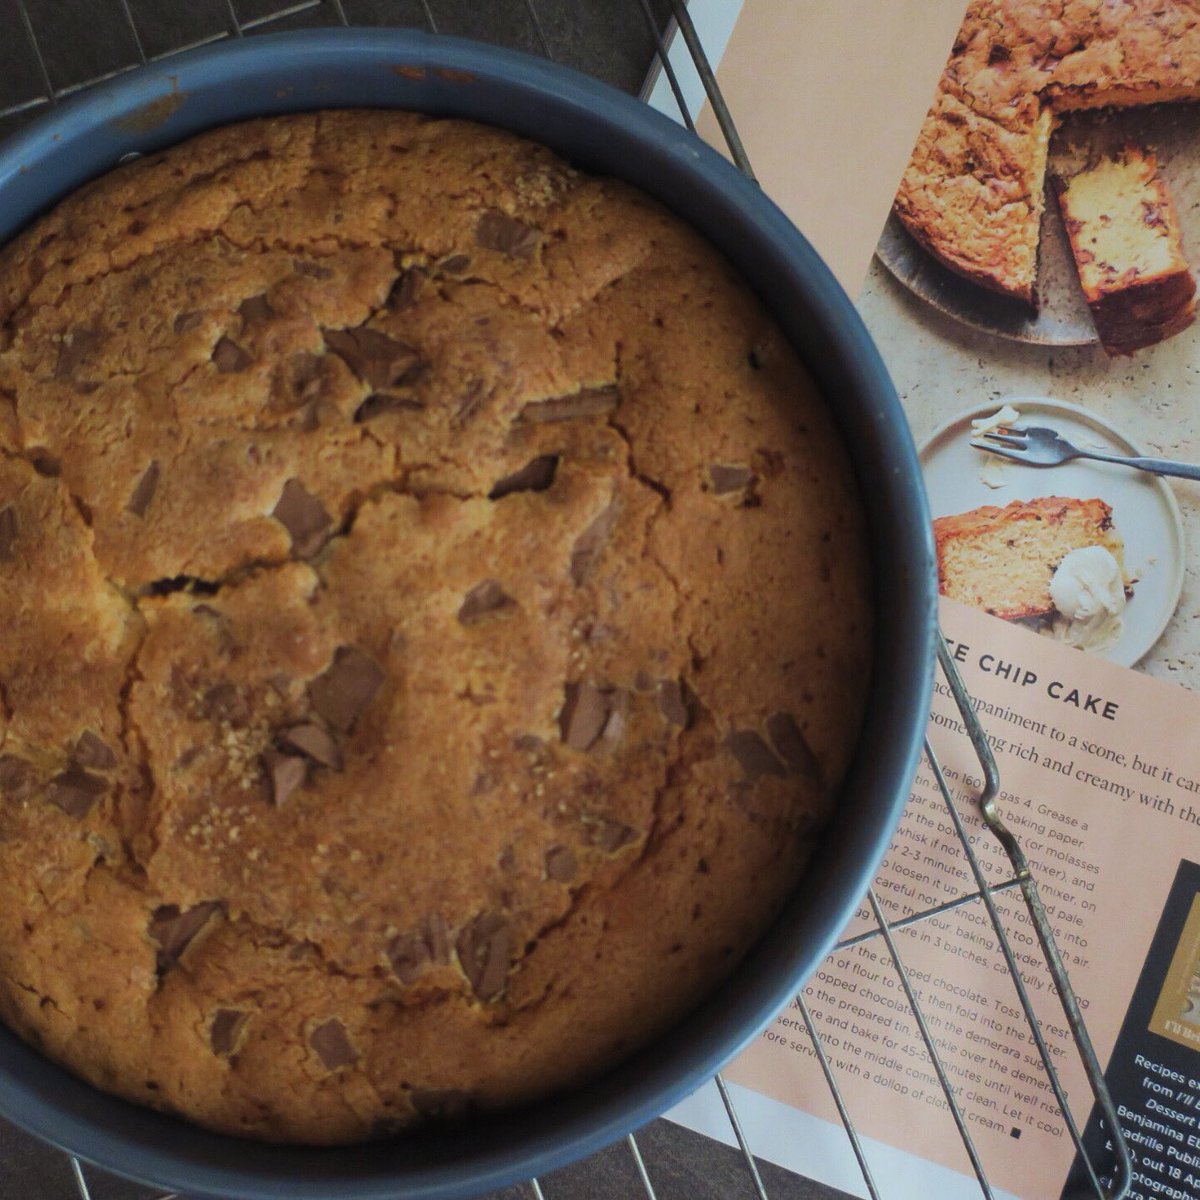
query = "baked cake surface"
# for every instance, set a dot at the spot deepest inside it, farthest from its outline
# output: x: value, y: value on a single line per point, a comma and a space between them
x: 418, y: 563
x: 1002, y: 559
x: 1125, y: 237
x: 973, y: 190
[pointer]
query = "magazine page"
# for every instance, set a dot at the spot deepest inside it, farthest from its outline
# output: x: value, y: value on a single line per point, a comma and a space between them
x: 828, y: 97
x: 1032, y: 274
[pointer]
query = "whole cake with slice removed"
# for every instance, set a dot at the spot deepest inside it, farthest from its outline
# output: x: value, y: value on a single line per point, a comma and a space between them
x: 1003, y: 559
x: 973, y: 191
x: 1125, y: 236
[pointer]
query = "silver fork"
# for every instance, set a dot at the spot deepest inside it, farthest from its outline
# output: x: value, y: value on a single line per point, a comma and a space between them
x: 1037, y: 446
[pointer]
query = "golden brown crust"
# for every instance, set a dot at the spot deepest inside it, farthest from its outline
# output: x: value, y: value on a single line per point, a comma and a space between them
x: 1145, y: 311
x: 972, y: 193
x: 416, y: 567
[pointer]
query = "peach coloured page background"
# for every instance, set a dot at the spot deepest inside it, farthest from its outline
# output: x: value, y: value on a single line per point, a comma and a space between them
x: 828, y: 96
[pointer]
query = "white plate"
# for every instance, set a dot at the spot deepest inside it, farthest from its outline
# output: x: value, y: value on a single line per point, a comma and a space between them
x: 1144, y: 510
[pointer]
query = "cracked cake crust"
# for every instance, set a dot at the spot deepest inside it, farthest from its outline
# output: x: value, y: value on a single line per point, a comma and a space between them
x: 432, y: 591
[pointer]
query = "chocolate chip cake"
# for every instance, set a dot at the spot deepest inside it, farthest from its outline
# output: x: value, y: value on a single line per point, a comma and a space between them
x: 1128, y: 248
x: 436, y: 625
x: 973, y: 192
x: 1003, y: 559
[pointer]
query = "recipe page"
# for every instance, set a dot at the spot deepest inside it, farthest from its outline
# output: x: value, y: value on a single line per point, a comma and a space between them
x: 1071, y: 600
x: 1104, y: 798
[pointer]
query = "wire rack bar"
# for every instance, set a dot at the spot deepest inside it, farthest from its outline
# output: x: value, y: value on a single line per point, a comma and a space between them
x: 291, y: 11
x: 133, y: 29
x: 204, y: 41
x: 931, y: 1049
x: 687, y: 29
x: 236, y: 28
x: 924, y: 915
x: 731, y: 1112
x: 539, y: 32
x: 838, y: 1099
x: 985, y: 892
x: 80, y: 1181
x: 661, y: 50
x: 24, y: 106
x: 1045, y: 935
x: 31, y: 37
x: 234, y: 23
x: 640, y: 1163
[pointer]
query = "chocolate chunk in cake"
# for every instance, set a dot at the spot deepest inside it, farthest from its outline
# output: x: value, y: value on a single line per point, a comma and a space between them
x: 229, y: 358
x: 497, y: 231
x: 591, y: 402
x: 75, y: 791
x: 174, y: 929
x: 482, y: 600
x: 346, y: 689
x: 754, y: 756
x: 535, y: 476
x: 8, y: 532
x: 376, y: 358
x: 484, y: 947
x: 303, y: 516
x: 91, y: 752
x: 143, y: 493
x: 285, y: 773
x: 314, y: 742
x: 228, y: 1025
x: 333, y: 1046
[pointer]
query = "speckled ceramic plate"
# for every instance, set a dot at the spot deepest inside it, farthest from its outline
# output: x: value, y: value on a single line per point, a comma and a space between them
x: 1144, y: 509
x: 1062, y: 319
x: 1172, y: 131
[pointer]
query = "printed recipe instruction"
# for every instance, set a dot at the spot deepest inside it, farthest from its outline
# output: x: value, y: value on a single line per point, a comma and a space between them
x: 1104, y: 796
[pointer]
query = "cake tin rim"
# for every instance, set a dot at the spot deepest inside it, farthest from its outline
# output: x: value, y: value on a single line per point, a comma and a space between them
x: 574, y: 1125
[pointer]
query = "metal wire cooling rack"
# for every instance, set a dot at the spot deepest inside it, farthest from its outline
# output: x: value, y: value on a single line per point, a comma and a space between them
x: 33, y: 50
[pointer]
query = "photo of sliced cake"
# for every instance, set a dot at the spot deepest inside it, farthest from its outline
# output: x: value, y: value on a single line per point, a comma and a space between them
x: 1125, y: 237
x: 972, y: 192
x: 1040, y: 548
x: 1004, y: 560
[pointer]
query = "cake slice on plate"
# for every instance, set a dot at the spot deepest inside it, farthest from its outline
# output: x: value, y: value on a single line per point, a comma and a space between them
x: 1125, y: 236
x: 1003, y: 559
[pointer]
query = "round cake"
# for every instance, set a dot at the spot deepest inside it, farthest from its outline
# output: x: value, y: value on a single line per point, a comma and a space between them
x: 436, y: 625
x: 974, y: 189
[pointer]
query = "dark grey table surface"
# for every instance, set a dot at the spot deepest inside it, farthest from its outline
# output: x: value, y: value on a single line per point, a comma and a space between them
x: 83, y: 39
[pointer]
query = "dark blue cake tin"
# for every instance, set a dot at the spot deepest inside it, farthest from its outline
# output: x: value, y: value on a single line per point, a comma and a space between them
x: 603, y: 131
